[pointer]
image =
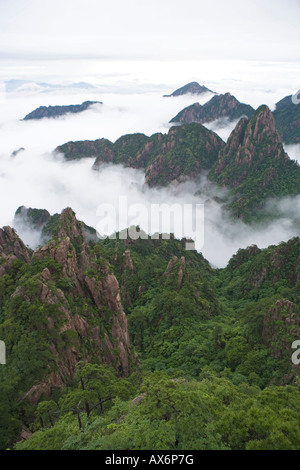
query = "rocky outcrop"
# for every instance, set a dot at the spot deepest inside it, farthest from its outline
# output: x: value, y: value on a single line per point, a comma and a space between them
x: 84, y: 280
x: 251, y: 142
x: 11, y: 249
x: 174, y: 262
x: 220, y: 106
x: 254, y: 164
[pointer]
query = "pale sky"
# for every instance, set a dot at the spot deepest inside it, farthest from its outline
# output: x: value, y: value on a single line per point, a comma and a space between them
x: 158, y: 29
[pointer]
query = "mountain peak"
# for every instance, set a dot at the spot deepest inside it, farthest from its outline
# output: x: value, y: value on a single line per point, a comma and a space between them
x: 254, y: 139
x: 254, y: 164
x: 220, y: 106
x: 191, y: 88
x: 69, y: 226
x: 263, y: 124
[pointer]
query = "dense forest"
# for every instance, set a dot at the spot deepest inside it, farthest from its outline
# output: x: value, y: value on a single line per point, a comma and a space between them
x: 209, y: 361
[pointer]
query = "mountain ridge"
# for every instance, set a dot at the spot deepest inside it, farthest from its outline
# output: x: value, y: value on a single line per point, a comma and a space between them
x: 218, y: 107
x: 57, y: 111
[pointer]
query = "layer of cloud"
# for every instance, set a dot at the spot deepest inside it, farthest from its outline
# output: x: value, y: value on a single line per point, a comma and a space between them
x: 120, y: 114
x: 223, y: 127
x: 215, y: 29
x: 37, y: 178
x: 45, y: 181
x: 293, y: 151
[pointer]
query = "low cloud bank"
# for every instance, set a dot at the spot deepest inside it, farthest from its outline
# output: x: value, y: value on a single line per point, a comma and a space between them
x: 47, y: 182
x: 38, y: 178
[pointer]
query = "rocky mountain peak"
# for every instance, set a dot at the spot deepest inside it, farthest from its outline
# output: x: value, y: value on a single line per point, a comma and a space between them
x: 254, y: 164
x: 72, y: 277
x: 11, y: 248
x: 69, y: 226
x: 263, y: 124
x: 254, y: 139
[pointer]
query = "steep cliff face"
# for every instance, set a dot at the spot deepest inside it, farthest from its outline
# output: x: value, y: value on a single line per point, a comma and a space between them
x: 255, y: 165
x: 218, y: 107
x: 251, y: 142
x: 75, y: 304
x: 11, y: 249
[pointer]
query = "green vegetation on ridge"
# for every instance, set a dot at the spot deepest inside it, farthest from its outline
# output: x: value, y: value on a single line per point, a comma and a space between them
x: 214, y: 348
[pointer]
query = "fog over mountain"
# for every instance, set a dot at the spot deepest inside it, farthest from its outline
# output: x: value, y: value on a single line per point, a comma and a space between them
x: 149, y: 226
x: 45, y: 180
x: 126, y: 72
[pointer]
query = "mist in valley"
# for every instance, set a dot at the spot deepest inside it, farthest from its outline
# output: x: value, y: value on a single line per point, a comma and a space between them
x: 37, y: 177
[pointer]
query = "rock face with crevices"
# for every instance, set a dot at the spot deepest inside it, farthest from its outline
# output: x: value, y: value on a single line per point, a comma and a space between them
x: 79, y: 301
x: 254, y: 164
x: 11, y: 249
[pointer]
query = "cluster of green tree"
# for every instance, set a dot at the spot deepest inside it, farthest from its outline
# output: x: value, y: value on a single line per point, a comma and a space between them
x: 37, y: 334
x: 210, y: 413
x: 185, y: 150
x: 215, y: 357
x: 184, y: 316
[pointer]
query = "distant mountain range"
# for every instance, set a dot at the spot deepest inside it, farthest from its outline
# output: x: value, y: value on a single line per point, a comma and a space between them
x: 287, y: 114
x: 57, y: 111
x: 27, y: 85
x: 253, y: 163
x: 184, y: 152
